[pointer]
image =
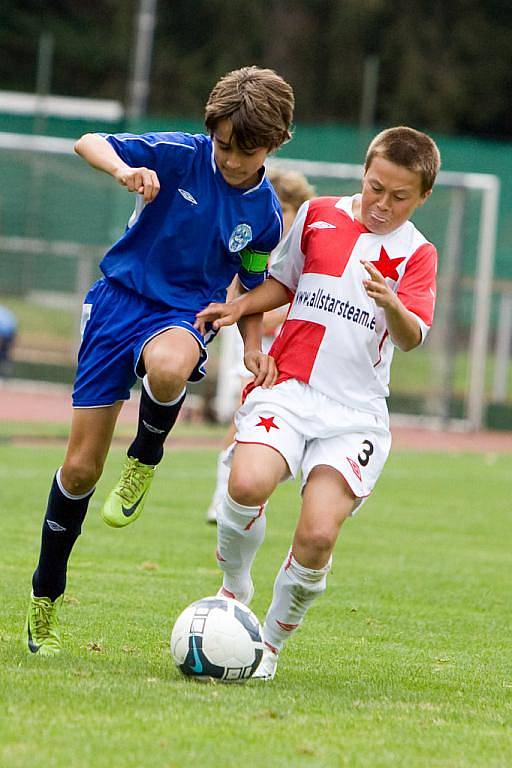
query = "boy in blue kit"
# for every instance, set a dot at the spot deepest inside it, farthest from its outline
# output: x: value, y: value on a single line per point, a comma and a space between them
x: 204, y: 213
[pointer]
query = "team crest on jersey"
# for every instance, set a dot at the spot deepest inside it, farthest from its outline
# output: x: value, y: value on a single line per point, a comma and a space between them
x: 187, y: 196
x: 240, y: 237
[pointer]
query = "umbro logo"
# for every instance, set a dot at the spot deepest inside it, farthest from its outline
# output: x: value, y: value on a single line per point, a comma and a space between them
x: 153, y: 429
x: 55, y: 526
x: 187, y: 196
x: 321, y: 225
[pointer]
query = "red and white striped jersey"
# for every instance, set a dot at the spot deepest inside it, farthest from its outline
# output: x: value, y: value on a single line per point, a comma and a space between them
x: 335, y: 337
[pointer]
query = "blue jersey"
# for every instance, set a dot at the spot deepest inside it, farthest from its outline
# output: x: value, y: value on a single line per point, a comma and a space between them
x: 184, y: 248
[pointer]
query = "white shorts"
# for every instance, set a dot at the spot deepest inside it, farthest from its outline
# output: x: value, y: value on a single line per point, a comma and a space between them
x: 308, y: 428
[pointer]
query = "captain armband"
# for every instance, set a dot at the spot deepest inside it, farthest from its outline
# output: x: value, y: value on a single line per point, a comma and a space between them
x: 254, y: 261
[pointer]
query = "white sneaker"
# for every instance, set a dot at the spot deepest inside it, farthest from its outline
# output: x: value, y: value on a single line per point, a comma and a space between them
x: 244, y: 597
x: 267, y: 666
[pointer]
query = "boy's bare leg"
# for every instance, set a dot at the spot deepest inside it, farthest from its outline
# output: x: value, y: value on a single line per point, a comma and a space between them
x: 88, y: 445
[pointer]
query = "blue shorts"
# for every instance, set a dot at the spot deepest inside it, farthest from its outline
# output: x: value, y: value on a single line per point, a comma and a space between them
x: 116, y: 324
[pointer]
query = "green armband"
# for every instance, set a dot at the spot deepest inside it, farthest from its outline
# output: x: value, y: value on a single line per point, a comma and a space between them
x: 254, y: 261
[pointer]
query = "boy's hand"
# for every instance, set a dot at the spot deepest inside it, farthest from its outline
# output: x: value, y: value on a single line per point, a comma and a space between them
x: 218, y: 315
x: 263, y: 366
x: 377, y: 288
x: 141, y: 180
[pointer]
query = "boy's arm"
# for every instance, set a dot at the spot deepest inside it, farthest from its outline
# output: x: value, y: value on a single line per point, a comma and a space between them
x: 101, y: 155
x: 269, y: 295
x: 402, y: 325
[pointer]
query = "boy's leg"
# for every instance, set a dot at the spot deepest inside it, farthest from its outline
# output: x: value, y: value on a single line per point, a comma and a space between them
x: 327, y: 502
x: 72, y: 488
x: 255, y: 472
x: 169, y: 359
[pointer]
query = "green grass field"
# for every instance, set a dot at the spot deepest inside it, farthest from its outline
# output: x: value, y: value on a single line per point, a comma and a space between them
x: 405, y: 661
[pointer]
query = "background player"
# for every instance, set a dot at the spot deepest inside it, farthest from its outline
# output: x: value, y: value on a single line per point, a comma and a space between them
x: 204, y: 213
x: 361, y: 279
x: 292, y: 189
x: 8, y: 330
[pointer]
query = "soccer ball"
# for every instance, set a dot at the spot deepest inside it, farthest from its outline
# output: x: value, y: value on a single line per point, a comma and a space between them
x: 217, y: 637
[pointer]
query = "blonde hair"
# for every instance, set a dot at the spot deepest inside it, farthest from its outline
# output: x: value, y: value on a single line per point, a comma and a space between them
x: 292, y: 187
x: 259, y: 104
x: 409, y: 148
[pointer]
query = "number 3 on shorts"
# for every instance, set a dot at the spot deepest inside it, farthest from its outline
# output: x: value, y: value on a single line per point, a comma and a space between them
x: 363, y: 456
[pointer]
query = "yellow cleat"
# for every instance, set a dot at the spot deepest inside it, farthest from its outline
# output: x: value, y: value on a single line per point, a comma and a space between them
x: 41, y: 634
x: 125, y: 503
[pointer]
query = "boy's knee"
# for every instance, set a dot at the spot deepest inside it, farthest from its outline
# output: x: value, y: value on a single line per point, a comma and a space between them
x: 80, y: 476
x: 246, y: 488
x: 317, y: 543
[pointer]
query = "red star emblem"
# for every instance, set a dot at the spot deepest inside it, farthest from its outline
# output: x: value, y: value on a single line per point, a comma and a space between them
x: 267, y: 423
x: 386, y: 266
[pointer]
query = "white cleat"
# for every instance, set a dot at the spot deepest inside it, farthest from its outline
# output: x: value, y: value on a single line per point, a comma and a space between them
x: 244, y: 597
x: 268, y: 665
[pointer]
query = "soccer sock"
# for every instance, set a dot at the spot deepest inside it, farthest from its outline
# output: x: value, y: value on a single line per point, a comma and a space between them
x: 295, y: 588
x: 223, y: 471
x: 61, y: 528
x: 240, y: 531
x: 155, y: 422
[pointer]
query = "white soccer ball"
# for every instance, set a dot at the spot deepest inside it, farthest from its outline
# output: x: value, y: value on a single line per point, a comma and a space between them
x: 217, y: 637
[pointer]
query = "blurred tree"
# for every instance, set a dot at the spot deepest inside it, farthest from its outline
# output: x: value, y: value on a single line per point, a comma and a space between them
x: 444, y: 66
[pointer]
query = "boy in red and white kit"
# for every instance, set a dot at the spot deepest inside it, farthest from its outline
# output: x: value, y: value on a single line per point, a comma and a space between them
x: 361, y: 280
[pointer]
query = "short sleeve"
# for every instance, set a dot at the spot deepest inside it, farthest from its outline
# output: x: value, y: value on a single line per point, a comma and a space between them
x: 417, y: 288
x: 288, y: 258
x: 170, y: 152
x: 256, y: 256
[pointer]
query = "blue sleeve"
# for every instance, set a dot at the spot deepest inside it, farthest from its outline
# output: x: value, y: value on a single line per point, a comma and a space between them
x: 169, y: 152
x: 264, y: 242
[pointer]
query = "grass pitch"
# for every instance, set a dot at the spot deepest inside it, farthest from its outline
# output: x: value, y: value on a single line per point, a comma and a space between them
x: 405, y: 661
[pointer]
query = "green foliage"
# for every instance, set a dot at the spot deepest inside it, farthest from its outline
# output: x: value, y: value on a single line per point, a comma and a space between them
x: 442, y: 66
x: 405, y: 661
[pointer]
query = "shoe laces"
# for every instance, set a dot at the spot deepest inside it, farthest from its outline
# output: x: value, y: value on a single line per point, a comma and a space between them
x: 132, y: 480
x: 44, y: 620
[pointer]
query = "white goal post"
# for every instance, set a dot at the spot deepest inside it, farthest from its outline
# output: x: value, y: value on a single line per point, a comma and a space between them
x: 330, y: 178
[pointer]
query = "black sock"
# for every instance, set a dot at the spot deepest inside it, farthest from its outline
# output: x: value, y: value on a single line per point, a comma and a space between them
x: 155, y: 423
x: 61, y: 528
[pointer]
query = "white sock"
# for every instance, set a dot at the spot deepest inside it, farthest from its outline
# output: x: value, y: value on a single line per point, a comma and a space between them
x: 223, y: 471
x: 295, y: 588
x: 240, y: 531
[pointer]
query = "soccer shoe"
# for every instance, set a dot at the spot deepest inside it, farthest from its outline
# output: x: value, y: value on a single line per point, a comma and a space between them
x: 267, y: 666
x: 41, y: 634
x: 125, y: 503
x: 243, y: 596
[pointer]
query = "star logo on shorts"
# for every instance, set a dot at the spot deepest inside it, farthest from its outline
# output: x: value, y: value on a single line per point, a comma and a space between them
x: 386, y: 266
x: 267, y: 423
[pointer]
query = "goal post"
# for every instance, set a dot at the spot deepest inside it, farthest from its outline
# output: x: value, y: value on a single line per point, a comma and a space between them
x: 56, y: 218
